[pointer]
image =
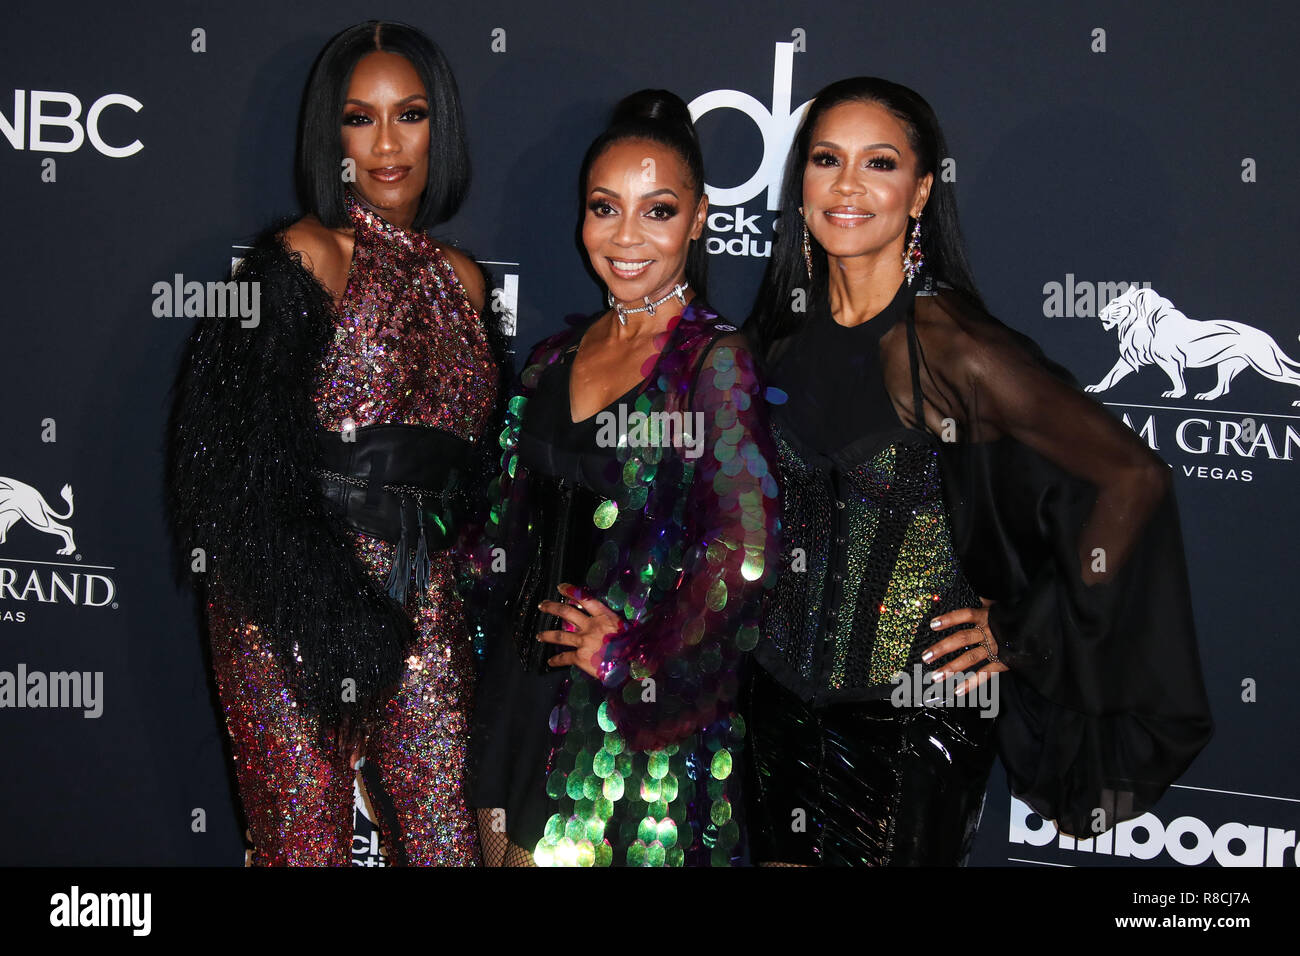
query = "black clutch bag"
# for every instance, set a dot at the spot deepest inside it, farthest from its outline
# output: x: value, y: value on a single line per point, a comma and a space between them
x: 560, y: 536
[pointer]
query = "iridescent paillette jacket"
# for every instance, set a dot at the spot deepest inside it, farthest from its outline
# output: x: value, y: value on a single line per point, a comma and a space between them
x: 641, y: 770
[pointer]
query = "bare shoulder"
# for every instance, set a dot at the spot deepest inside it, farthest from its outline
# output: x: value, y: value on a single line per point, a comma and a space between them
x: 969, y: 340
x: 948, y: 320
x: 961, y: 339
x: 326, y: 254
x: 944, y: 309
x: 469, y: 274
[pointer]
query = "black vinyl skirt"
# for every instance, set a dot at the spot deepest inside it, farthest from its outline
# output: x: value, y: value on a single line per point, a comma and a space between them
x: 862, y: 784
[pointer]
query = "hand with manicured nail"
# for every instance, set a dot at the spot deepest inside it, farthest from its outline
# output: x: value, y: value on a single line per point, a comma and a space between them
x: 589, y: 623
x: 971, y: 638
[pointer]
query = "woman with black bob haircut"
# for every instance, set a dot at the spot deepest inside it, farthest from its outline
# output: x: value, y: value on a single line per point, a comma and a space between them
x: 323, y: 460
x: 956, y: 511
x: 322, y: 189
x: 636, y: 517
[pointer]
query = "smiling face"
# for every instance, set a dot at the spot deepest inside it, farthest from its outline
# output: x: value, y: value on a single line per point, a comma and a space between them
x: 642, y: 213
x: 860, y: 183
x: 386, y: 133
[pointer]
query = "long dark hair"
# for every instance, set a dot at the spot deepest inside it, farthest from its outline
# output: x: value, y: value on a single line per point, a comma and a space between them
x: 661, y: 117
x: 774, y: 315
x: 320, y: 140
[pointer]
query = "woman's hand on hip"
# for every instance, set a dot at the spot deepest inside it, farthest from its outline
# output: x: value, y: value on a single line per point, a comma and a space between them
x: 588, y: 622
x: 981, y: 644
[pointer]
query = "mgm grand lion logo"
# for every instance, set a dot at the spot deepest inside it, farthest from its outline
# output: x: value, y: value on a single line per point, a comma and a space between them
x: 18, y: 500
x: 1153, y: 332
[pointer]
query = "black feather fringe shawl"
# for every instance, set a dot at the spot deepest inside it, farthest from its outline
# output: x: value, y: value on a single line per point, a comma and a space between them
x: 242, y: 449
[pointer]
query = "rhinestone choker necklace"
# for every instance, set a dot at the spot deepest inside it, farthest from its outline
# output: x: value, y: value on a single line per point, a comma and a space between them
x: 678, y: 290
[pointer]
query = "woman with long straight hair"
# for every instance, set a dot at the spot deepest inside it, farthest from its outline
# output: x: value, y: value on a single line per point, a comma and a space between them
x: 978, y: 556
x: 320, y: 460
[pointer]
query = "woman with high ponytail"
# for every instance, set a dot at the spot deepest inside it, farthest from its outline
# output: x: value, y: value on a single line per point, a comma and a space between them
x: 634, y: 529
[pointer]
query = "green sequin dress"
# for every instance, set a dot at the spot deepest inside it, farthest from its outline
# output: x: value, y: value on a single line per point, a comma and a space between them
x: 642, y: 768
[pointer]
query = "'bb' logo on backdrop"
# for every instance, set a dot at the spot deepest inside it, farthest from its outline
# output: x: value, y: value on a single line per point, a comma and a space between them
x: 739, y: 232
x: 777, y: 125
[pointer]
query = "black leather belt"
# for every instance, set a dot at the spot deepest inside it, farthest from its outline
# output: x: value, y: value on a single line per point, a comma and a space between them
x: 401, y: 484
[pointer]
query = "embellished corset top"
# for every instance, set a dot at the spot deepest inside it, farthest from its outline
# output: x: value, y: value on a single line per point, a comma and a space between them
x: 409, y: 348
x: 867, y: 557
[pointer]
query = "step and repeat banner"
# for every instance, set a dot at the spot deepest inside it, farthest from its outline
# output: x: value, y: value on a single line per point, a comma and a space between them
x: 1127, y: 178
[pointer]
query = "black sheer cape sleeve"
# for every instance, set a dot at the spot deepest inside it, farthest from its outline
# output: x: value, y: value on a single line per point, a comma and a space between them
x: 1068, y: 522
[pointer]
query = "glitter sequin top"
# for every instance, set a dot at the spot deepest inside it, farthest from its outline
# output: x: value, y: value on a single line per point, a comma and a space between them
x: 641, y: 767
x: 410, y: 348
x: 867, y: 534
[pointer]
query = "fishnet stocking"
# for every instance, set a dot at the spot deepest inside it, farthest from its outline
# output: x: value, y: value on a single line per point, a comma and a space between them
x: 517, y: 856
x: 492, y: 835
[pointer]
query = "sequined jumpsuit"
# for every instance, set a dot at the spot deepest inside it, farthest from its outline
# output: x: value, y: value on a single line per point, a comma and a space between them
x: 841, y: 774
x: 408, y: 348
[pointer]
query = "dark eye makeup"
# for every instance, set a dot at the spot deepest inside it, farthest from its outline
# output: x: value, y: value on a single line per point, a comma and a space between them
x: 412, y: 114
x: 822, y: 157
x: 660, y: 211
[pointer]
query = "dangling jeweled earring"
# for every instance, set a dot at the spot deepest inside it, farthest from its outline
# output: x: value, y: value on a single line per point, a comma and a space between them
x: 913, y: 260
x: 807, y: 248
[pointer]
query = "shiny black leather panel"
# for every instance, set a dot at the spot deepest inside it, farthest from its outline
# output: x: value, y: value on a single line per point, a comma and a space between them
x: 863, y: 784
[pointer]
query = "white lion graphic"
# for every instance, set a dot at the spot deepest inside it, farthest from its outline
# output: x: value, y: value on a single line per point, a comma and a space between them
x: 1153, y: 332
x: 18, y: 500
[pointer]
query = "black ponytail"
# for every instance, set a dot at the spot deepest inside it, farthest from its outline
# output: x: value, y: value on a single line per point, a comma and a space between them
x: 661, y: 117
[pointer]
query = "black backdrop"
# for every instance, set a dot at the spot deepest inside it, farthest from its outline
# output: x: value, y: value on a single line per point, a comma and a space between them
x: 1092, y: 144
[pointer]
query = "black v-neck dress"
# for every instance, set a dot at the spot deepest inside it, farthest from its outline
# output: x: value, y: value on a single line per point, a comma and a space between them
x: 512, y: 727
